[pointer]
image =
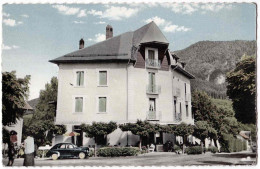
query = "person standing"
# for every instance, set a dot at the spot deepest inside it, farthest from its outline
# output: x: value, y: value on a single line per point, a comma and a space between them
x: 11, y: 147
x: 11, y: 154
x: 29, y: 151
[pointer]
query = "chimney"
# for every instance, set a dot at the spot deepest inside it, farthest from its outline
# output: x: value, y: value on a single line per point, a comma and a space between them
x: 109, y: 32
x: 81, y: 44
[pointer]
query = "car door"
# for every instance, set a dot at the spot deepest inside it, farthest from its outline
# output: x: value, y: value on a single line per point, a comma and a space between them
x: 62, y: 150
x: 70, y: 150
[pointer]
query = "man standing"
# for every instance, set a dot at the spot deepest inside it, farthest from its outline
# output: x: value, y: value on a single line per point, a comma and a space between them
x: 29, y: 151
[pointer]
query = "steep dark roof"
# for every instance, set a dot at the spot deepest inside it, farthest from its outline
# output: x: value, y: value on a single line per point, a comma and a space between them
x: 116, y: 48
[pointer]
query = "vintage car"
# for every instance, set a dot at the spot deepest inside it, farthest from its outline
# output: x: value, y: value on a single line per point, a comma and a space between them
x: 67, y: 150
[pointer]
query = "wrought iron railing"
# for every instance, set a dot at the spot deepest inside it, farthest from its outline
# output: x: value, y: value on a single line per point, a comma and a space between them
x: 153, y: 115
x: 153, y: 89
x: 178, y: 117
x: 152, y: 63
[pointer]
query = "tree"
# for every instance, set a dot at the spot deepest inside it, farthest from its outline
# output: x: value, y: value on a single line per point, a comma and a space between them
x: 140, y: 128
x: 203, y: 108
x: 14, y: 93
x: 183, y: 130
x: 241, y: 89
x: 98, y: 129
x: 41, y: 126
x: 203, y: 130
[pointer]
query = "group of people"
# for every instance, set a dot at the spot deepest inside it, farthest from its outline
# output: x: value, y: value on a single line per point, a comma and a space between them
x: 28, y: 146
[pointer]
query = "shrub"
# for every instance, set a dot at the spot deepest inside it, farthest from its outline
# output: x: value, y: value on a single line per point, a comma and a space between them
x: 213, y: 149
x: 194, y: 150
x: 118, y: 151
x: 41, y: 153
x: 176, y: 148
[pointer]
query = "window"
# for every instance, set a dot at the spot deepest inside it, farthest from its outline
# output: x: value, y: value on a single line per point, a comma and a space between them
x: 102, y: 104
x: 151, y: 54
x: 185, y: 88
x: 78, y: 104
x: 63, y: 146
x: 180, y: 109
x: 151, y: 78
x: 175, y: 107
x: 187, y: 110
x: 80, y: 78
x: 103, y: 78
x: 152, y: 107
x: 69, y: 146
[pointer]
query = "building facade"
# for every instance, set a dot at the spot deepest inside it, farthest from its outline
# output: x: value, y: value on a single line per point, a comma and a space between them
x: 124, y: 78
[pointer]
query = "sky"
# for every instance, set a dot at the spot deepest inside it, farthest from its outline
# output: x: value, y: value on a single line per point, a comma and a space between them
x: 33, y: 34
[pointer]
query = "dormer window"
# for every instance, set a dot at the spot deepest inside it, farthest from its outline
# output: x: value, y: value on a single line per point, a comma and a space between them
x: 151, y: 58
x: 151, y: 54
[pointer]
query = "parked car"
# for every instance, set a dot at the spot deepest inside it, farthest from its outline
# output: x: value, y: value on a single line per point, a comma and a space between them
x: 67, y: 150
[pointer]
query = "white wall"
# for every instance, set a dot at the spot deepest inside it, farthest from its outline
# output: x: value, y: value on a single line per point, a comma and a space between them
x: 115, y: 93
x: 18, y: 127
x: 120, y: 76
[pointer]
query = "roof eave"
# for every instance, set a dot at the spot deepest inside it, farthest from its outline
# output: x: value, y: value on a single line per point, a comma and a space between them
x: 89, y: 61
x: 184, y: 72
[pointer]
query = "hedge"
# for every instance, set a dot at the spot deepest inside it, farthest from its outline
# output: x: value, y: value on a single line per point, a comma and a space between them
x: 212, y: 149
x: 118, y: 151
x: 193, y: 150
x: 232, y: 144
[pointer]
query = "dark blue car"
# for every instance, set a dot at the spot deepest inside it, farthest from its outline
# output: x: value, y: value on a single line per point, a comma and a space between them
x: 67, y: 150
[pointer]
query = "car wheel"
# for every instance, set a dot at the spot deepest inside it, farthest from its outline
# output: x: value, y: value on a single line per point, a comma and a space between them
x: 82, y: 155
x: 54, y: 156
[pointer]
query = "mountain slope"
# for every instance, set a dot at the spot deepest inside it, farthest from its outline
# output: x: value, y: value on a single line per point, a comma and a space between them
x: 209, y: 61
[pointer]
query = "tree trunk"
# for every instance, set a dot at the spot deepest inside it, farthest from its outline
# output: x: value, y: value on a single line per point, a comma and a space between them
x: 215, y: 142
x: 95, y: 148
x: 204, y: 145
x: 184, y: 143
x: 140, y: 144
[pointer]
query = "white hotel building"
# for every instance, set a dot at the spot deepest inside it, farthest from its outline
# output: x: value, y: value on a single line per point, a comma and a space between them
x: 124, y: 78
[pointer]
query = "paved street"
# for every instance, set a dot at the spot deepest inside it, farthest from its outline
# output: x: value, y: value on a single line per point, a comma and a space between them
x: 151, y: 159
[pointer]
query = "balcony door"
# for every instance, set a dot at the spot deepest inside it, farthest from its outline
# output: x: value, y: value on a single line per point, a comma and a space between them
x: 152, y: 107
x: 152, y: 81
x: 151, y: 55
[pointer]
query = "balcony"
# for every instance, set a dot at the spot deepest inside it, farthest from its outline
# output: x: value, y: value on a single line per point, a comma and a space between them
x: 178, y: 117
x: 153, y: 115
x: 153, y: 89
x: 152, y: 63
x: 176, y: 92
x: 187, y: 97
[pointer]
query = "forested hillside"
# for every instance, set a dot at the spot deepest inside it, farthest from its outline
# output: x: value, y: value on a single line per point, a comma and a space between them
x: 209, y: 61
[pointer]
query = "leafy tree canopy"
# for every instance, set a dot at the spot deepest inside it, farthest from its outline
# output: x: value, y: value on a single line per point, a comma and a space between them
x: 183, y: 129
x: 41, y: 126
x: 140, y: 128
x: 98, y: 128
x: 241, y: 89
x: 14, y: 93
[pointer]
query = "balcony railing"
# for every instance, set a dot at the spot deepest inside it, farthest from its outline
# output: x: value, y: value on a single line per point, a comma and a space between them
x: 176, y: 91
x: 152, y: 63
x: 187, y: 97
x: 153, y: 89
x: 153, y: 115
x: 178, y: 117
